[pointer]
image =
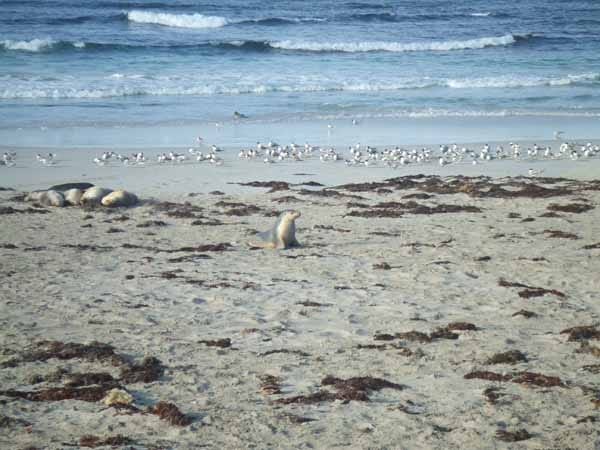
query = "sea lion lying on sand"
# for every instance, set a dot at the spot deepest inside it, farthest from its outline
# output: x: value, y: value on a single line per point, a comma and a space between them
x: 46, y: 198
x: 119, y: 198
x: 282, y: 235
x: 94, y: 195
x: 73, y: 196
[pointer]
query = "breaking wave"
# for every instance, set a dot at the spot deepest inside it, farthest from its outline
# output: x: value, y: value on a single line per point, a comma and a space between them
x: 38, y: 45
x: 177, y: 20
x: 373, y: 46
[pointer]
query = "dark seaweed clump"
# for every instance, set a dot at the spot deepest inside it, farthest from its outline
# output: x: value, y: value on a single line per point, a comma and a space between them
x: 356, y: 388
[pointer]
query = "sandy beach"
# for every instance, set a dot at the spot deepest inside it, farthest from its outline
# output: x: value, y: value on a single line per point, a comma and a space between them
x: 431, y: 311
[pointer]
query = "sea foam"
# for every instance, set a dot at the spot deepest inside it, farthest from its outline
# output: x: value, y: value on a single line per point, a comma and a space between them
x: 177, y: 20
x: 382, y: 46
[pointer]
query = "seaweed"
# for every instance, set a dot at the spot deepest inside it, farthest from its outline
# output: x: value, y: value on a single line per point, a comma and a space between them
x: 245, y: 210
x: 87, y: 379
x: 170, y: 413
x: 509, y: 357
x: 151, y: 223
x: 312, y: 304
x: 274, y: 186
x: 487, y: 375
x: 382, y: 266
x: 188, y: 258
x: 417, y: 196
x: 461, y: 326
x: 86, y: 394
x: 95, y: 441
x: 179, y: 210
x: 395, y: 209
x: 115, y: 230
x: 530, y: 291
x: 284, y: 350
x: 298, y: 419
x: 537, y: 379
x: 591, y: 246
x: 5, y: 210
x: 270, y: 384
x: 576, y: 208
x: 86, y: 247
x: 356, y: 388
x: 329, y: 193
x: 95, y: 351
x: 287, y: 199
x: 513, y: 436
x: 414, y: 336
x: 149, y: 370
x: 221, y: 343
x: 557, y: 234
x: 529, y: 378
x: 582, y: 333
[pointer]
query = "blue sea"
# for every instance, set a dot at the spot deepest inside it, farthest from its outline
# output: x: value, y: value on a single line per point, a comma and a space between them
x: 67, y: 64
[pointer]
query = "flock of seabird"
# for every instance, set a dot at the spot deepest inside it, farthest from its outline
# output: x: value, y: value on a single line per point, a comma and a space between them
x: 357, y: 155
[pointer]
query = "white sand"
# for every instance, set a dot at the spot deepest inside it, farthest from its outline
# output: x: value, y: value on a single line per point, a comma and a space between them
x: 79, y: 295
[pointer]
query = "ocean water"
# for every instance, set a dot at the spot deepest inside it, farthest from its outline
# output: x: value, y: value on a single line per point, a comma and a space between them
x: 159, y: 64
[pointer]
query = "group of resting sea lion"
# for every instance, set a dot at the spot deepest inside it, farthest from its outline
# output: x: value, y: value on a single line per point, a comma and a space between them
x: 85, y: 194
x: 281, y: 236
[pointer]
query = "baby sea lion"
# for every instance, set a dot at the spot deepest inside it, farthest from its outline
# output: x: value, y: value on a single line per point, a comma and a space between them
x: 282, y: 235
x: 119, y: 198
x: 94, y: 195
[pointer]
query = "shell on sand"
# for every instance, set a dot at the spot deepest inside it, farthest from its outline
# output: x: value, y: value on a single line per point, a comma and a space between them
x: 119, y: 198
x: 117, y: 397
x: 94, y: 195
x: 73, y: 196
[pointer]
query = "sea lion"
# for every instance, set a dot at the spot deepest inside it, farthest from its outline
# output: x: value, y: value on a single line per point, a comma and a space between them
x: 94, y: 195
x: 50, y: 198
x: 282, y: 235
x: 119, y: 198
x: 67, y: 186
x: 73, y: 196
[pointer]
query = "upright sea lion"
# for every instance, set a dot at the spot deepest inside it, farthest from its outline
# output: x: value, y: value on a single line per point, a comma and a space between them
x: 119, y: 198
x: 282, y: 235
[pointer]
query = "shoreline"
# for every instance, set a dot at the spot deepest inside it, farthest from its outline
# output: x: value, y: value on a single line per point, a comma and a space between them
x: 240, y: 134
